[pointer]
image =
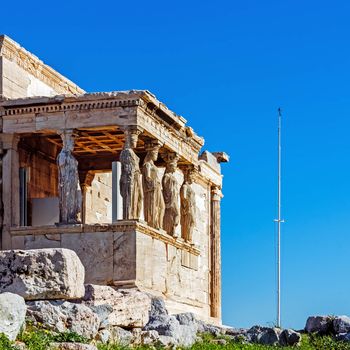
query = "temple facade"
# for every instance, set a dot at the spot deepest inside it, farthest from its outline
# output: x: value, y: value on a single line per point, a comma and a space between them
x: 115, y: 176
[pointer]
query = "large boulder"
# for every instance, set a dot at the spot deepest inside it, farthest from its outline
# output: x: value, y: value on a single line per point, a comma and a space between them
x: 289, y: 337
x: 63, y: 316
x: 341, y: 324
x: 42, y: 274
x: 12, y: 314
x: 319, y: 324
x: 178, y: 330
x: 264, y: 335
x: 130, y: 306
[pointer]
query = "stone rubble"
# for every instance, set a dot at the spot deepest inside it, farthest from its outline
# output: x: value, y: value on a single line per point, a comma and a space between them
x: 109, y: 315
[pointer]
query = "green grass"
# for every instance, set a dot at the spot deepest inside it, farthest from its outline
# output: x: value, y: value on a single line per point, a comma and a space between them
x: 40, y: 339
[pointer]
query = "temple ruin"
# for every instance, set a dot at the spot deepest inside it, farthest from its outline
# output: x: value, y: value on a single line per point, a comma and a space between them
x: 115, y: 176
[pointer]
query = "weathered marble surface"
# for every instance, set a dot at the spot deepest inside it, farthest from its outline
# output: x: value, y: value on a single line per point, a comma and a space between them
x: 12, y: 314
x: 64, y: 316
x: 42, y: 274
x: 130, y: 306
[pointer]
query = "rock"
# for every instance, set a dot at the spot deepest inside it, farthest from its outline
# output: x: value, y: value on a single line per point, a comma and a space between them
x: 20, y: 346
x: 319, y: 324
x: 221, y: 342
x: 341, y: 324
x: 149, y: 337
x: 343, y: 337
x: 208, y: 328
x: 12, y: 314
x: 171, y: 331
x: 157, y: 307
x: 63, y: 316
x: 72, y: 346
x: 263, y: 335
x: 103, y: 336
x: 120, y: 336
x: 102, y: 311
x: 130, y: 306
x: 42, y: 274
x: 289, y: 337
x: 187, y: 319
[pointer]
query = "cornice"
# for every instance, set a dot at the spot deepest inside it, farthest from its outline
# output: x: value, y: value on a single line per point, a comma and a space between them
x: 33, y: 65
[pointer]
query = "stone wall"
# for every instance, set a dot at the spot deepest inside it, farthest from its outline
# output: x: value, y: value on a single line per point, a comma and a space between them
x: 16, y: 82
x: 99, y: 199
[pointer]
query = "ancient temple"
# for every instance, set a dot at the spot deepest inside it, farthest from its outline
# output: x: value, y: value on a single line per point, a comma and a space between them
x: 115, y: 176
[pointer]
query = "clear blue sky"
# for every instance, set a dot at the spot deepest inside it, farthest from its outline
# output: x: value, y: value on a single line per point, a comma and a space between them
x: 227, y: 66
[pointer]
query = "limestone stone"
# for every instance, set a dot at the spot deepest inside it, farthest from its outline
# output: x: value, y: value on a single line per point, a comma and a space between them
x: 130, y: 306
x: 120, y: 336
x: 42, y: 274
x: 12, y: 314
x: 63, y: 316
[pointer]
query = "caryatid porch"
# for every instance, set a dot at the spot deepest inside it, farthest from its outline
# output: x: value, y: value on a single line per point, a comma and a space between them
x: 168, y: 241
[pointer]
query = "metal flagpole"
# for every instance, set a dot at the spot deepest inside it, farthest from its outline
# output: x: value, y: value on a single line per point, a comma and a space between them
x: 279, y: 221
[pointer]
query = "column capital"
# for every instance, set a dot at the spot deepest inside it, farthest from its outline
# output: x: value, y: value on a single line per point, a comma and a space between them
x: 216, y: 194
x: 9, y: 141
x: 132, y: 129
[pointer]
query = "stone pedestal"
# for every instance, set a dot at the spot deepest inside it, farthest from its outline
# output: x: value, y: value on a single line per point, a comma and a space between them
x: 130, y: 254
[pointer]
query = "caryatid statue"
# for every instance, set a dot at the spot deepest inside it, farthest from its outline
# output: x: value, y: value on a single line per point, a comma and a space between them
x: 188, y: 205
x: 68, y: 180
x: 153, y: 203
x: 171, y: 194
x: 130, y: 178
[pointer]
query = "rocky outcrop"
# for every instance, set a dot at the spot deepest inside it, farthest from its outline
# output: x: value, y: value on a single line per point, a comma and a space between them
x: 63, y: 316
x: 130, y: 307
x: 42, y: 274
x: 12, y: 314
x: 337, y: 326
x: 319, y: 324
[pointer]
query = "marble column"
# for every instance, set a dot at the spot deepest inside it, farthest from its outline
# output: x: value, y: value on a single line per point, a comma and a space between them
x: 68, y: 180
x: 10, y: 187
x: 215, y: 240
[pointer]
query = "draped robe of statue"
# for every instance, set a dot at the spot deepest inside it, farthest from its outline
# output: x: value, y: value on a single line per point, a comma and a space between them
x: 171, y: 200
x: 68, y: 187
x: 131, y: 184
x: 188, y: 211
x: 153, y: 197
